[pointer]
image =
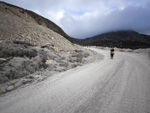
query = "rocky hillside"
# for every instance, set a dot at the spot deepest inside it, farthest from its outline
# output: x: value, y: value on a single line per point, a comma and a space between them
x: 33, y: 48
x: 20, y: 24
x: 120, y: 39
x: 47, y: 23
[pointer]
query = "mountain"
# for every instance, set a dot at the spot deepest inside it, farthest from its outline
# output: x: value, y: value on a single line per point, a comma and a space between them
x: 18, y: 23
x: 120, y: 39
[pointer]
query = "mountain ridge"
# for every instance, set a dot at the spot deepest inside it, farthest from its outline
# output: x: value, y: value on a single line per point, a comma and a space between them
x: 121, y: 39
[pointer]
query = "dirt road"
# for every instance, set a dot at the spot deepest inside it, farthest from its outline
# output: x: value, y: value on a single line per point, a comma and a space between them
x: 121, y: 85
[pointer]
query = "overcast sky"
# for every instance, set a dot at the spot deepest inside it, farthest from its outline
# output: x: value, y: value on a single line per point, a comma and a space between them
x: 86, y: 18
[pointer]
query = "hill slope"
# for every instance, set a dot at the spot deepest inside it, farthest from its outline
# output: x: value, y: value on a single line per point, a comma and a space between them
x: 121, y: 39
x: 30, y: 45
x: 18, y: 23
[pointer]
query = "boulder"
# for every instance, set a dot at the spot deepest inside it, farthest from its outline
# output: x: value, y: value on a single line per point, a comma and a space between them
x: 9, y: 88
x: 48, y: 62
x: 19, y: 83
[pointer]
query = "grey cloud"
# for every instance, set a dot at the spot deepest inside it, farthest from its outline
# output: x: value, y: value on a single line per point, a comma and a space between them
x: 102, y: 15
x: 131, y: 18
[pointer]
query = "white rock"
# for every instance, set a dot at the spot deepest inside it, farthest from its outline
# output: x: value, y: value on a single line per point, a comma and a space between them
x: 9, y: 88
x: 49, y: 61
x: 18, y: 84
x: 3, y: 59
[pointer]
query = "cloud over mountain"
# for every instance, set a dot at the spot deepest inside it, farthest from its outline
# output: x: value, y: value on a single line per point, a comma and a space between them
x: 86, y: 18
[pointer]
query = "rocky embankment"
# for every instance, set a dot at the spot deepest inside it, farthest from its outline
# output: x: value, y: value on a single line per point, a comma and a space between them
x: 23, y: 63
x: 31, y: 51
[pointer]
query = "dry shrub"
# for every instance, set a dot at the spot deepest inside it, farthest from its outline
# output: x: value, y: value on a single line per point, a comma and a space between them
x: 79, y: 59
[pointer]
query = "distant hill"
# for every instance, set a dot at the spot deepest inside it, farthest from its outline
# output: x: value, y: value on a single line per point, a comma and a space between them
x: 120, y: 39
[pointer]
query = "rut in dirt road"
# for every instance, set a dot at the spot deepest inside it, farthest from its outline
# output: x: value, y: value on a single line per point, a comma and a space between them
x: 120, y: 85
